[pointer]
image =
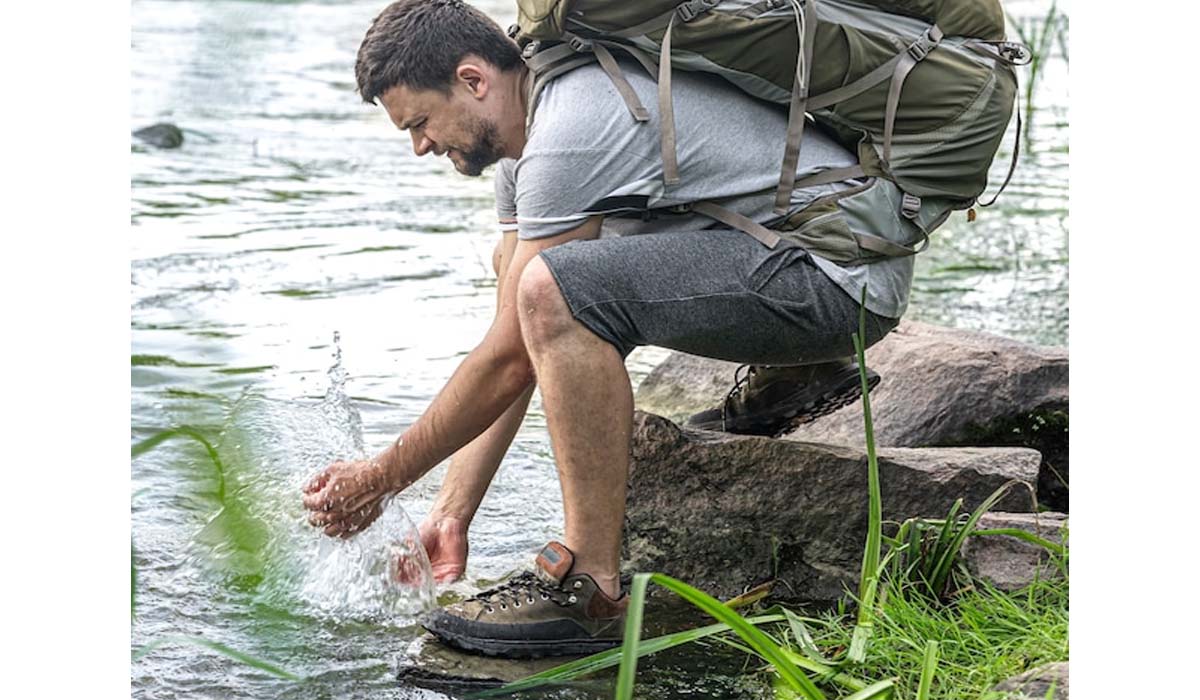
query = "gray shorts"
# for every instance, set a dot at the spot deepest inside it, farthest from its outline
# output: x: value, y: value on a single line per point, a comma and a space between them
x: 712, y: 293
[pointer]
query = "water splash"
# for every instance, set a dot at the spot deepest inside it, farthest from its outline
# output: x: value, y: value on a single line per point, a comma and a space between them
x: 261, y: 539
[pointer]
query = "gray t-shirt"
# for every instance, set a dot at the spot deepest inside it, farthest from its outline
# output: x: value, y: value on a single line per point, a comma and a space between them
x: 585, y: 155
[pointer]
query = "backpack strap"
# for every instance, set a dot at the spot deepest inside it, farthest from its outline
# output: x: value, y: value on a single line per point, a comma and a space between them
x: 744, y: 224
x: 916, y: 52
x: 574, y: 52
x: 687, y: 12
x: 666, y: 111
x: 771, y: 239
x: 806, y: 31
x: 610, y: 67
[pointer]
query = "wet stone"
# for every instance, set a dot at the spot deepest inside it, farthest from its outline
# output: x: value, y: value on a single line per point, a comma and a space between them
x: 162, y: 135
x: 430, y: 664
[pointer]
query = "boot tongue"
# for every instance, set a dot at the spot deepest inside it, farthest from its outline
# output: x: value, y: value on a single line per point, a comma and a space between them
x: 554, y: 563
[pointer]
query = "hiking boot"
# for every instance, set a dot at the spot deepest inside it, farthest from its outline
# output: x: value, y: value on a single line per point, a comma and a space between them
x: 775, y: 400
x: 549, y: 612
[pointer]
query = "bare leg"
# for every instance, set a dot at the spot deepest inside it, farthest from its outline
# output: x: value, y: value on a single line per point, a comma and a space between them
x: 589, y: 410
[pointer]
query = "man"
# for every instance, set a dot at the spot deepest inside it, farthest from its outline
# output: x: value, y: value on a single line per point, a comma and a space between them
x: 572, y: 304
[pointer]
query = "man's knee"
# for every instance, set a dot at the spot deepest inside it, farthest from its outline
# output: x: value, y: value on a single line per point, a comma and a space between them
x: 541, y: 307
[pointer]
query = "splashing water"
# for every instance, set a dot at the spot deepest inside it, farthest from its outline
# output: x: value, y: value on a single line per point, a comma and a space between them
x: 260, y: 537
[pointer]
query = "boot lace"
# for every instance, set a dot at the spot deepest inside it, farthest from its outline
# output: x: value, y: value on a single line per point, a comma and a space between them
x: 739, y: 382
x: 523, y: 589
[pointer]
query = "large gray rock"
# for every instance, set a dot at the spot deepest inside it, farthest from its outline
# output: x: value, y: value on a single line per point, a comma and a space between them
x: 724, y: 512
x: 1036, y: 684
x: 1009, y: 563
x: 941, y: 387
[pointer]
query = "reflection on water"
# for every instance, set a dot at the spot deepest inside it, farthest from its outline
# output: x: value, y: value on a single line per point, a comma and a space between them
x: 291, y: 212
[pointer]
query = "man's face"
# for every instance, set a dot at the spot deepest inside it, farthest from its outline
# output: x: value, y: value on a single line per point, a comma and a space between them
x: 454, y: 125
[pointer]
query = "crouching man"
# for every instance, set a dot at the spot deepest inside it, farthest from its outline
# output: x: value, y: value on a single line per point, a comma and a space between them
x: 573, y: 304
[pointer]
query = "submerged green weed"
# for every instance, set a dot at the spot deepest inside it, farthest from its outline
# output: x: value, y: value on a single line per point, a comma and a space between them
x: 231, y: 527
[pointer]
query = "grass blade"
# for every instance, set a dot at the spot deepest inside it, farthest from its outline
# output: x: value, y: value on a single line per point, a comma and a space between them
x: 234, y: 654
x: 876, y: 691
x: 189, y: 432
x: 927, y: 668
x: 869, y: 577
x: 1029, y: 537
x: 633, y: 633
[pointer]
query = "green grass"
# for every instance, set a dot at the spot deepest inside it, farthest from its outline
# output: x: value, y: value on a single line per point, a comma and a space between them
x: 983, y: 637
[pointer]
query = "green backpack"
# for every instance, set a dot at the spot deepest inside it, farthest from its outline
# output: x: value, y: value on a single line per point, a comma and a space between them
x: 922, y: 90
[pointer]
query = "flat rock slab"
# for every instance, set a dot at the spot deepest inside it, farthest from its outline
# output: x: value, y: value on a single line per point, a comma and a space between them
x: 428, y: 663
x: 725, y: 512
x: 1036, y: 684
x: 940, y: 387
x: 679, y: 673
x: 1010, y: 563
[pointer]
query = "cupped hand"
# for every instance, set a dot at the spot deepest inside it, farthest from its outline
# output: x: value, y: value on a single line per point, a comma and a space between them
x: 347, y: 497
x: 445, y: 541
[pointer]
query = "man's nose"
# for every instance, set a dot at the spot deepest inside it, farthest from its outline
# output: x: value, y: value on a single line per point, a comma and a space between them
x: 421, y: 144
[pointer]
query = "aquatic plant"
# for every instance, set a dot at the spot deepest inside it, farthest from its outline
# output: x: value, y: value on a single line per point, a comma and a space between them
x: 238, y: 529
x: 1039, y: 34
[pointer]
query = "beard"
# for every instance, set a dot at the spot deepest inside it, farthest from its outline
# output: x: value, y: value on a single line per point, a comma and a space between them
x: 484, y: 150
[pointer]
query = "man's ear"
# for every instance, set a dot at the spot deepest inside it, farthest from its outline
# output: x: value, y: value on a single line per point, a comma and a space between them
x: 474, y: 77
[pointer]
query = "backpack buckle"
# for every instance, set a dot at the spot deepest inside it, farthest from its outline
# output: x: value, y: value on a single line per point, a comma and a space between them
x: 689, y: 11
x: 910, y: 206
x: 579, y: 44
x: 530, y: 49
x: 928, y: 41
x: 1017, y: 54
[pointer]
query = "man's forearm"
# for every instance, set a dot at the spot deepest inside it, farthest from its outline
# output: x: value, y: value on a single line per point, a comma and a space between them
x: 485, y: 385
x: 473, y: 467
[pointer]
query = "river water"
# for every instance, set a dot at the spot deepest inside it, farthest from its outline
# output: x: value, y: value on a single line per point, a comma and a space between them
x: 301, y: 286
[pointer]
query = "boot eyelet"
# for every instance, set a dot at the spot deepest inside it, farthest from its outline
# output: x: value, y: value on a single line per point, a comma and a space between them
x: 516, y: 604
x: 578, y: 585
x: 531, y: 600
x: 545, y: 597
x: 572, y: 599
x: 491, y: 610
x: 503, y: 606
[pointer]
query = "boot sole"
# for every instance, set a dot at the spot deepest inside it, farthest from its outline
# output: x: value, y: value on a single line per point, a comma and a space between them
x: 845, y: 392
x: 528, y: 649
x: 833, y: 400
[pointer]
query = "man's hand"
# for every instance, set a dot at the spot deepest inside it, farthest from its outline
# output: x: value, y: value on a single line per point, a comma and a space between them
x: 347, y: 497
x: 445, y: 541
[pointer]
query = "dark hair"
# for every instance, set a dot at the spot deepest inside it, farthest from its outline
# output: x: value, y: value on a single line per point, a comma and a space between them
x: 419, y: 43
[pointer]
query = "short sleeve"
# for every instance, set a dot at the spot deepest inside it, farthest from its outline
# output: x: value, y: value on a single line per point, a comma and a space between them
x: 506, y: 194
